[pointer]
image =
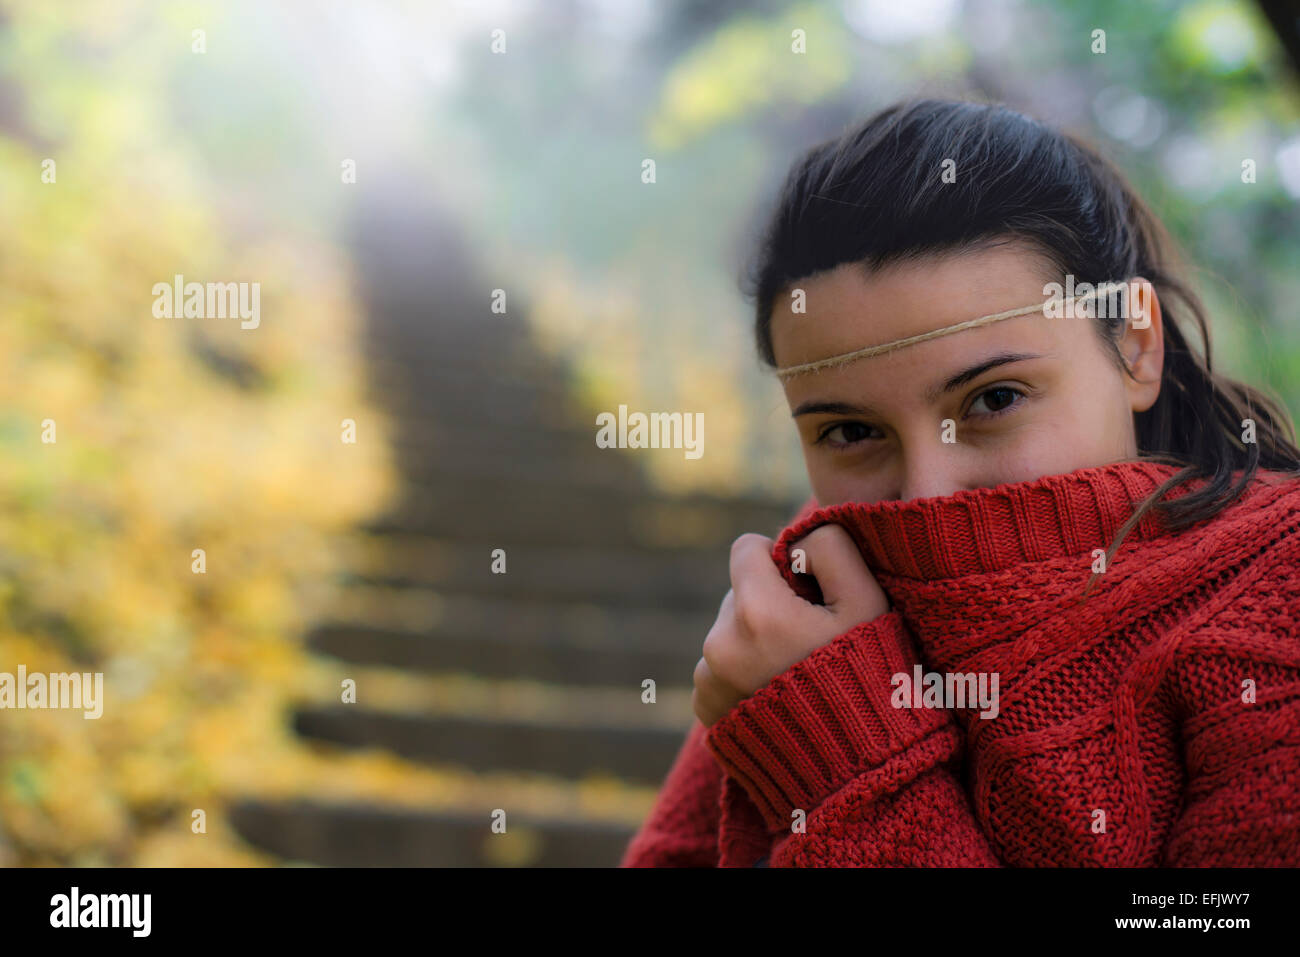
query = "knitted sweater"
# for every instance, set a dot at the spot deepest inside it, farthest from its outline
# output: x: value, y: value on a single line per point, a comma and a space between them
x: 1156, y: 723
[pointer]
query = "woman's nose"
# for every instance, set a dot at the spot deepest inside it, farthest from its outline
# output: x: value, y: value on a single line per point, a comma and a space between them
x: 933, y: 469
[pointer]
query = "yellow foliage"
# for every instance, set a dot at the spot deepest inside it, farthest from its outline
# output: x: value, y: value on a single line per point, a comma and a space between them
x: 751, y: 63
x: 159, y: 451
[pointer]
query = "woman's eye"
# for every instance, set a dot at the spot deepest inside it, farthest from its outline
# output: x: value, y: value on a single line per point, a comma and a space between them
x: 1000, y: 399
x: 846, y: 433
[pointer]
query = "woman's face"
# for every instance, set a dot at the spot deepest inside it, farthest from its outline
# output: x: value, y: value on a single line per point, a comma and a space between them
x: 874, y: 429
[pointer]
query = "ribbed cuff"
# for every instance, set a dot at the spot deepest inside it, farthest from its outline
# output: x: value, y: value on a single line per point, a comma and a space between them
x: 823, y: 722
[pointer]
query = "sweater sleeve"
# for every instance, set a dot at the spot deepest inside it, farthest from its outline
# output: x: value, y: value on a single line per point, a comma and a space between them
x: 878, y: 785
x: 1238, y: 694
x: 682, y: 828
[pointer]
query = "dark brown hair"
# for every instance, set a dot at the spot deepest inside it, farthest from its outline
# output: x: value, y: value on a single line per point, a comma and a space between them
x: 874, y: 196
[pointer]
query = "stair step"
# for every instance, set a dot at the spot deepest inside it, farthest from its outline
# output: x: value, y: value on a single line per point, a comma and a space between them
x: 599, y: 629
x: 501, y: 354
x: 449, y: 435
x: 367, y: 836
x: 681, y: 579
x: 422, y: 409
x: 382, y: 688
x: 540, y: 511
x: 579, y: 476
x: 564, y: 458
x: 415, y: 382
x: 501, y: 656
x: 640, y: 755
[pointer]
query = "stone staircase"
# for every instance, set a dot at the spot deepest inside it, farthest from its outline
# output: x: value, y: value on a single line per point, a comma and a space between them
x: 608, y: 582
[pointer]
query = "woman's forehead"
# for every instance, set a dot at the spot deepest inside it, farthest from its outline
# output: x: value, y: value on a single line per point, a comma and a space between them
x: 919, y: 373
x: 848, y: 309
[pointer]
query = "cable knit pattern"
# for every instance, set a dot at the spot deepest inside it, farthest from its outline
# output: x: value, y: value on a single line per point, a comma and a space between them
x: 1154, y: 723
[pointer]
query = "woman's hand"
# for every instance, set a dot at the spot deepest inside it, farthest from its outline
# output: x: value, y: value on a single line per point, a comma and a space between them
x: 763, y: 627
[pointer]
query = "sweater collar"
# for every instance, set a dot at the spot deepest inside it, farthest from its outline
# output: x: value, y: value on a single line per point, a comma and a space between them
x: 971, y: 571
x: 992, y: 529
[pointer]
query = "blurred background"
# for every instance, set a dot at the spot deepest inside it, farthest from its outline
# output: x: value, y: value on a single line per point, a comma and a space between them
x: 380, y: 171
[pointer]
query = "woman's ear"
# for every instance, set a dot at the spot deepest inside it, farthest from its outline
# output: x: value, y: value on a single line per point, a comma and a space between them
x: 1142, y: 345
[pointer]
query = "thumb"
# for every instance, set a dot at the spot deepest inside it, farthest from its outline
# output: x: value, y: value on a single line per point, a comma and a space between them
x: 846, y: 582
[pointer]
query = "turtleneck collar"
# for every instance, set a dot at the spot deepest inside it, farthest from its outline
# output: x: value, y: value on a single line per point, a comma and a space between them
x: 992, y: 529
x: 972, y: 570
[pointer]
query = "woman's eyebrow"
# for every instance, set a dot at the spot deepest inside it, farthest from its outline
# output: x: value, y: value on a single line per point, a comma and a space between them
x: 815, y: 407
x: 822, y: 407
x: 961, y: 378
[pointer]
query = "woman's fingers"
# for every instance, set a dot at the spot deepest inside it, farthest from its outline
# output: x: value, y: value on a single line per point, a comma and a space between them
x: 765, y: 602
x: 712, y: 697
x: 764, y: 627
x: 728, y: 663
x: 752, y: 570
x: 847, y: 585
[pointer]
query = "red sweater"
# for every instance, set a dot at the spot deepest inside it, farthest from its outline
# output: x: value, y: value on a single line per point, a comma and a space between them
x: 1157, y: 723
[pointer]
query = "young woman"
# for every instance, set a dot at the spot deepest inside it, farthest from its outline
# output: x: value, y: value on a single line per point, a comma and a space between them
x: 1044, y: 607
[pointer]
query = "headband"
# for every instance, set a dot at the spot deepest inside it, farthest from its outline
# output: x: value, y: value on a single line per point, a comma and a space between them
x: 847, y: 357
